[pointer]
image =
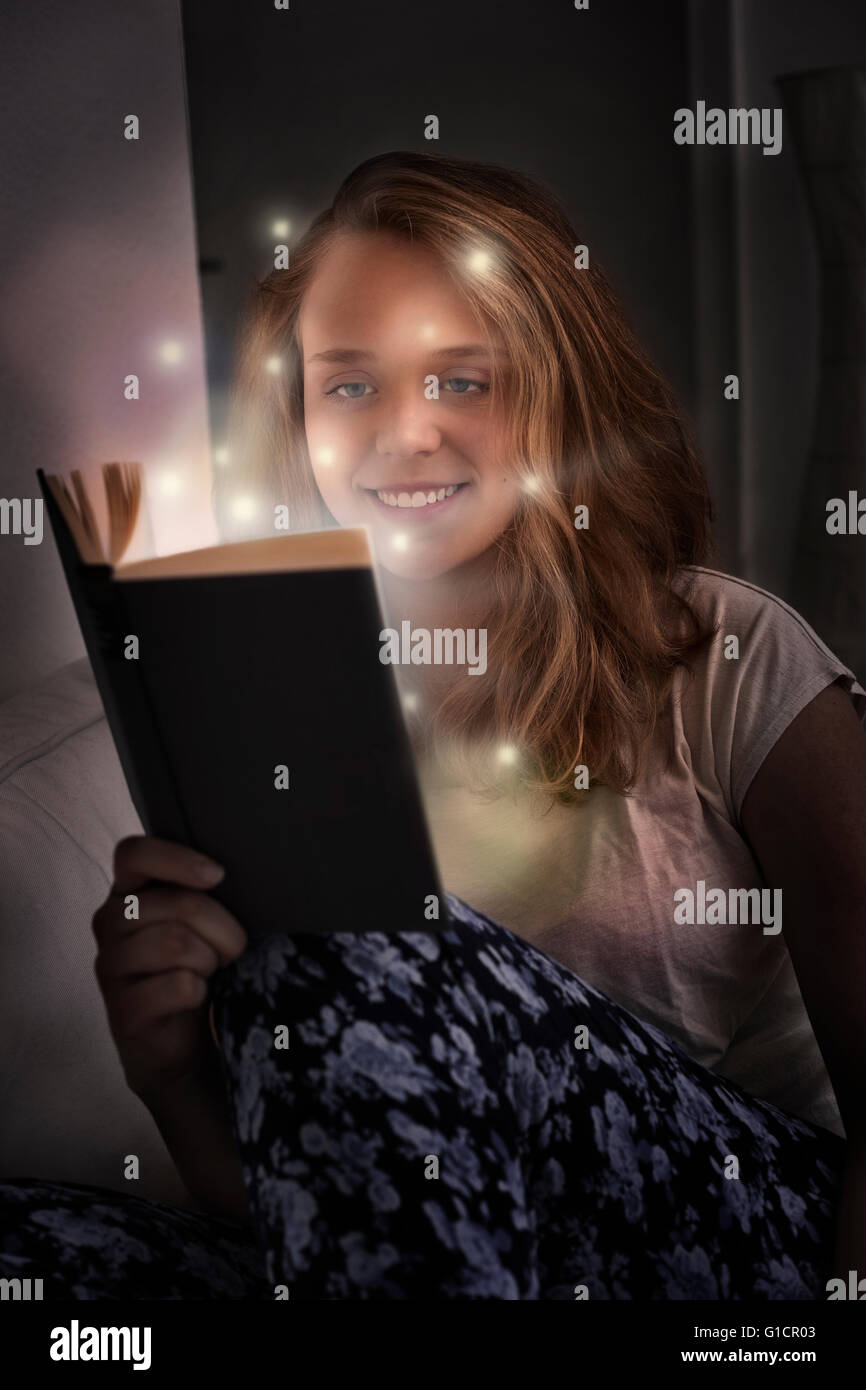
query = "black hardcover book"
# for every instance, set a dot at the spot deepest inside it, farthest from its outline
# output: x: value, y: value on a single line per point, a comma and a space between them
x: 258, y: 725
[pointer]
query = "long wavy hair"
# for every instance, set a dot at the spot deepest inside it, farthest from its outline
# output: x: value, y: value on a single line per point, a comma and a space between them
x: 587, y: 626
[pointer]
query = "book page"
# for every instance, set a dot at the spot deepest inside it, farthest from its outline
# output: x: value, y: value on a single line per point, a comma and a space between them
x: 312, y: 550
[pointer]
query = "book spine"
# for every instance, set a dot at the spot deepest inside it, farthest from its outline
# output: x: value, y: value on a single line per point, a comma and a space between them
x: 103, y: 607
x: 107, y: 628
x: 103, y: 618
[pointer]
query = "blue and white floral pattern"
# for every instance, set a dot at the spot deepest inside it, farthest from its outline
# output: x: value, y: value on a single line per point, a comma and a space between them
x: 433, y: 1131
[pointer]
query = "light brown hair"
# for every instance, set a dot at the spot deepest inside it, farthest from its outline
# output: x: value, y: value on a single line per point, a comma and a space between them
x: 586, y: 628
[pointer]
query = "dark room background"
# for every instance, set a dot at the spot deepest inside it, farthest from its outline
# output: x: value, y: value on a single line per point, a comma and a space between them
x: 712, y: 249
x: 725, y: 260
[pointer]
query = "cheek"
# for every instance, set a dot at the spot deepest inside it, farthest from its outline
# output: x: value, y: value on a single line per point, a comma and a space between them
x: 487, y: 442
x: 321, y: 429
x: 492, y: 456
x: 500, y: 510
x: 332, y: 448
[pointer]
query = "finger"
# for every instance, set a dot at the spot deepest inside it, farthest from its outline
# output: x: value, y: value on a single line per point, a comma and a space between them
x: 141, y: 1003
x: 163, y: 903
x: 156, y: 949
x: 213, y: 1030
x: 141, y: 858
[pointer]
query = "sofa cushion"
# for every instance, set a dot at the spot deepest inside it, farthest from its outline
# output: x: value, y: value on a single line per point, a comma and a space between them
x: 67, y: 1112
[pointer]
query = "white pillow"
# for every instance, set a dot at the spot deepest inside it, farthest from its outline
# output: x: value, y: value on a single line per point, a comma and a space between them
x: 66, y: 1110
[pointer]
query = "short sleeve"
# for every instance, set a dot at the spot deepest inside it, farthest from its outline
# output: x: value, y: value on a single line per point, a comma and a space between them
x: 740, y: 705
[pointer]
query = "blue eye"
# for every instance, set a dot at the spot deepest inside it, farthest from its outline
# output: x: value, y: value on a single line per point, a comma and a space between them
x: 350, y: 388
x: 358, y: 390
x: 464, y: 382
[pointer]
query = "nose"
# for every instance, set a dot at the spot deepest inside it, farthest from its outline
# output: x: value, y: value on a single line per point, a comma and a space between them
x: 406, y: 426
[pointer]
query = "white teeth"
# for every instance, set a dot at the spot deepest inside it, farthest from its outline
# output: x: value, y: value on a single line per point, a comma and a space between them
x: 416, y: 499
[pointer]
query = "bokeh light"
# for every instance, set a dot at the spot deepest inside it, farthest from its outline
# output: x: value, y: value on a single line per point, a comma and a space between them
x: 244, y: 507
x: 170, y: 353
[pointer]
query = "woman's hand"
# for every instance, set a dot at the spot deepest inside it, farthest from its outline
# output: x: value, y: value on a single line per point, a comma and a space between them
x: 153, y: 969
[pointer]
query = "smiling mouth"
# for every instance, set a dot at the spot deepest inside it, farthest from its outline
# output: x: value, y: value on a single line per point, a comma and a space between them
x: 427, y: 497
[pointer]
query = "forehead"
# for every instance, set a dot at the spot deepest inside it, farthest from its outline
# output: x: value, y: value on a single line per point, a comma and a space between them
x: 378, y: 285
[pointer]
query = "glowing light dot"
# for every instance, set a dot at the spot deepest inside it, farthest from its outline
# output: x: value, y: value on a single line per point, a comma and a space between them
x: 325, y: 457
x: 400, y: 541
x: 221, y: 455
x: 427, y: 332
x: 169, y: 484
x: 274, y: 365
x: 243, y: 508
x: 281, y: 227
x: 170, y: 353
x: 410, y: 701
x: 507, y: 755
x: 480, y: 261
x: 532, y: 483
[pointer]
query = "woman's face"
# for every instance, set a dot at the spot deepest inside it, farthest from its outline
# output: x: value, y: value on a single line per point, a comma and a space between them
x: 380, y: 318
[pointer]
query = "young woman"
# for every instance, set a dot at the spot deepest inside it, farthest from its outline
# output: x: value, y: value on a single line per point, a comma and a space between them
x: 635, y: 1066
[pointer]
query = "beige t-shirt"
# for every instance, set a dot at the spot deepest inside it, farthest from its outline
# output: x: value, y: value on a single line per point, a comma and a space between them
x: 593, y: 885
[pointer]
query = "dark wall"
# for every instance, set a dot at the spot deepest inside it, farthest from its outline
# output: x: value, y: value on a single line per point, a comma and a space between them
x: 97, y: 267
x: 758, y: 302
x: 780, y: 279
x: 283, y: 104
x: 712, y: 250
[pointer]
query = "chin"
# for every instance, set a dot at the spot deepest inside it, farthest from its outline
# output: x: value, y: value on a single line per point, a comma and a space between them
x: 415, y: 568
x: 421, y: 562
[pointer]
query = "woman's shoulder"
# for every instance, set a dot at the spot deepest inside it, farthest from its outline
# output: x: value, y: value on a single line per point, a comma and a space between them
x: 753, y: 677
x: 764, y: 625
x: 726, y: 595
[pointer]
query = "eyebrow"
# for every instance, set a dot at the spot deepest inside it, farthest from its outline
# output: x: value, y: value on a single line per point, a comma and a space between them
x: 346, y: 354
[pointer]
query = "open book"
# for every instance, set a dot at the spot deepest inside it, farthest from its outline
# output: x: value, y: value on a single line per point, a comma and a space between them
x: 253, y: 717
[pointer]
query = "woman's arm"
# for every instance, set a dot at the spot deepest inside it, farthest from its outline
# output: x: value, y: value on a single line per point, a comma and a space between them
x: 804, y: 816
x: 192, y: 1116
x: 153, y: 971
